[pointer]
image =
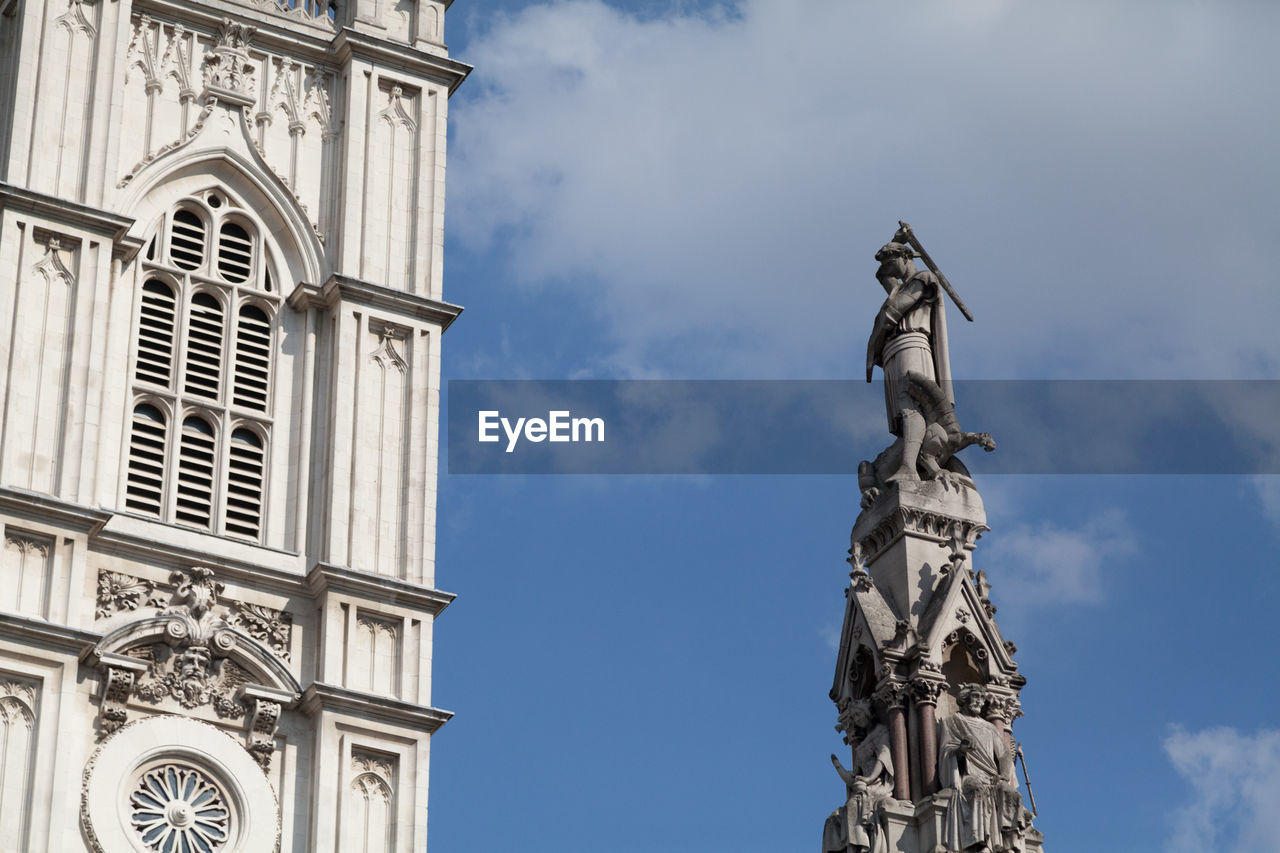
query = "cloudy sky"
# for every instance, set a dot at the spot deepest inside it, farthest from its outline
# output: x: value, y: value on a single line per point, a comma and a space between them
x: 690, y: 190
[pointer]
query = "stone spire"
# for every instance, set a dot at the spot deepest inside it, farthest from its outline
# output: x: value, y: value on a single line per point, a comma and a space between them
x: 926, y: 688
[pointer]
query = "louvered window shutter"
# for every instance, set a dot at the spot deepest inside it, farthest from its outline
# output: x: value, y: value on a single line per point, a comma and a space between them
x: 187, y: 240
x: 235, y: 253
x: 196, y: 460
x: 155, y: 333
x: 253, y: 358
x: 144, y: 491
x: 204, y: 346
x: 244, y: 484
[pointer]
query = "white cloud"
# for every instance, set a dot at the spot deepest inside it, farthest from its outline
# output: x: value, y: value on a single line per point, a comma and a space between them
x: 1096, y: 178
x: 1233, y: 778
x: 1032, y: 565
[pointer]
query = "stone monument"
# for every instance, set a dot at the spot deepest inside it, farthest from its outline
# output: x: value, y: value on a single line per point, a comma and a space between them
x: 926, y: 687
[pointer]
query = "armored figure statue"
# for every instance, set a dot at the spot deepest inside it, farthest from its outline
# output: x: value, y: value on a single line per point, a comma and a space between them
x: 909, y: 341
x: 985, y: 814
x: 858, y: 825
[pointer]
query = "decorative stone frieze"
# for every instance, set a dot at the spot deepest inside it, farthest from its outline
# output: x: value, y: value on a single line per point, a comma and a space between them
x: 925, y: 523
x: 122, y: 593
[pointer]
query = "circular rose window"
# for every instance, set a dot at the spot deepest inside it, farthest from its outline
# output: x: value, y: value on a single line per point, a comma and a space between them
x: 169, y: 784
x: 177, y: 809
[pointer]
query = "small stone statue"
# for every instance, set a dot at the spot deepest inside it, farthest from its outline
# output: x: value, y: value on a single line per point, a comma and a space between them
x: 909, y: 341
x: 858, y: 826
x: 985, y: 814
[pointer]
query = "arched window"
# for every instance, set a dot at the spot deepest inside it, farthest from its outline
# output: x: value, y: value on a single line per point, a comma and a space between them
x: 244, y: 483
x: 205, y: 343
x: 204, y: 346
x: 197, y: 462
x: 186, y: 240
x: 145, y: 489
x: 235, y: 253
x: 155, y: 333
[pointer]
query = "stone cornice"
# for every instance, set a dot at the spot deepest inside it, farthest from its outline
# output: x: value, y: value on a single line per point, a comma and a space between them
x: 38, y: 632
x: 298, y: 38
x: 352, y: 43
x: 105, y: 223
x: 315, y: 43
x: 345, y: 288
x: 262, y: 575
x: 330, y: 697
x: 328, y: 577
x: 51, y: 510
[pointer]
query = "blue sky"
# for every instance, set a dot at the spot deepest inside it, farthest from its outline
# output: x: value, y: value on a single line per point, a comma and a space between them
x: 695, y: 191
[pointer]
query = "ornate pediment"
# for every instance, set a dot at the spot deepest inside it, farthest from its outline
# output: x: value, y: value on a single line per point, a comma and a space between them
x: 192, y: 653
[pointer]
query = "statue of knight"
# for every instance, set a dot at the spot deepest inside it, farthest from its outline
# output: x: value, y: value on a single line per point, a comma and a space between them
x: 909, y: 341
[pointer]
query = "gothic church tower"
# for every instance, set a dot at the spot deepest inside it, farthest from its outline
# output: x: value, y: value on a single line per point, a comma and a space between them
x: 221, y: 228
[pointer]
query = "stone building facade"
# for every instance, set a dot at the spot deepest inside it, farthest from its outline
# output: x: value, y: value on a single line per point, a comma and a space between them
x: 220, y: 288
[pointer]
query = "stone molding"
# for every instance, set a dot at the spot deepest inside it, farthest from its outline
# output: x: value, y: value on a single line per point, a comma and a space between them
x: 351, y: 43
x: 107, y: 224
x: 326, y: 577
x: 913, y: 521
x: 330, y: 697
x: 31, y: 631
x: 52, y: 511
x: 339, y: 288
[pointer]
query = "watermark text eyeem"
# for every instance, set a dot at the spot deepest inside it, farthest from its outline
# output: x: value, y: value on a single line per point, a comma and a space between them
x: 558, y: 426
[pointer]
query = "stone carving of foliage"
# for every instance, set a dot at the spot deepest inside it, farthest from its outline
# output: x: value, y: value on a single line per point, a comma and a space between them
x: 120, y: 592
x: 272, y: 628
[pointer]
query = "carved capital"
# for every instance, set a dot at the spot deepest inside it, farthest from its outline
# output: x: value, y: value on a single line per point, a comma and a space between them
x: 892, y: 694
x: 926, y: 690
x: 1003, y: 708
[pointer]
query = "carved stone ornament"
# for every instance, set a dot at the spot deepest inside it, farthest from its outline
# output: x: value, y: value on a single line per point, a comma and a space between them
x: 926, y: 690
x: 189, y: 653
x: 178, y: 807
x: 121, y: 593
x: 369, y: 762
x: 228, y: 72
x: 262, y: 730
x: 892, y: 694
x: 921, y: 522
x: 861, y: 580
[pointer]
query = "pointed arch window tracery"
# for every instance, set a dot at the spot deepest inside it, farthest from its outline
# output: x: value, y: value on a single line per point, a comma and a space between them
x: 204, y: 347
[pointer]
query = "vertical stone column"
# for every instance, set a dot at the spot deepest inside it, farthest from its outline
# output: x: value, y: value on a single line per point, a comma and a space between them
x: 925, y: 692
x: 893, y: 695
